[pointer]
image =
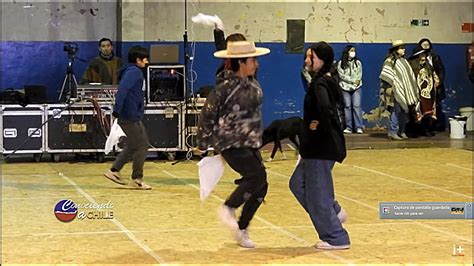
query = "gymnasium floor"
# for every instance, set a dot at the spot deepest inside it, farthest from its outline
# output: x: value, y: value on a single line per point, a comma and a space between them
x: 170, y: 224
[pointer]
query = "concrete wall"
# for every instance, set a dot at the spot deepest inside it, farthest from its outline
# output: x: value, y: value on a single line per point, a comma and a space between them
x: 33, y: 35
x: 333, y: 21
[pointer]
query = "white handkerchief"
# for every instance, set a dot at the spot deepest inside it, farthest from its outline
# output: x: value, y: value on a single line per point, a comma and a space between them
x: 211, y: 169
x: 114, y: 137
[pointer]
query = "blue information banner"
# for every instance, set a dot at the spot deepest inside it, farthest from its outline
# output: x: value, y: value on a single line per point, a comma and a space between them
x: 425, y: 210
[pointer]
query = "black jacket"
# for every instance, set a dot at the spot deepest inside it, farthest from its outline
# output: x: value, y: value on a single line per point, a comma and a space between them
x: 321, y: 103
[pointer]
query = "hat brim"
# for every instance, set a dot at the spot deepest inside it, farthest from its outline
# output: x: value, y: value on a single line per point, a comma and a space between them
x: 259, y: 51
x: 418, y: 53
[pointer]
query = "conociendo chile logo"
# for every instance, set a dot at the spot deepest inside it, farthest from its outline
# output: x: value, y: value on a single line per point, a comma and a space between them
x: 66, y: 211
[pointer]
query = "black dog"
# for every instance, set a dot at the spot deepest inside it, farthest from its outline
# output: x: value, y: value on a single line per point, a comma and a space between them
x: 281, y: 129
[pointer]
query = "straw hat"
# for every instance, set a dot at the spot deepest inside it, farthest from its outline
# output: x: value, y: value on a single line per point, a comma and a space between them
x: 397, y: 43
x: 241, y: 49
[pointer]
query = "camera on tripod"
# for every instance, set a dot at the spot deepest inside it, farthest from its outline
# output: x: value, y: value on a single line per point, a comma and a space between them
x: 71, y: 48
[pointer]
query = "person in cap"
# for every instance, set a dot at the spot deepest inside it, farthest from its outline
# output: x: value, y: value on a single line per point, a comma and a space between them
x: 322, y: 144
x: 231, y: 122
x: 428, y: 83
x: 435, y: 61
x: 398, y: 89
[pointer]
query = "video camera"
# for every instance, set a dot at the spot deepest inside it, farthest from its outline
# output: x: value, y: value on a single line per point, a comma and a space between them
x: 71, y: 48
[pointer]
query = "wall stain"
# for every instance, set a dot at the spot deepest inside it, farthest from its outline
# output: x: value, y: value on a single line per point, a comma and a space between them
x: 342, y: 10
x: 363, y: 31
x: 82, y: 11
x: 237, y: 27
x: 94, y: 11
x: 381, y: 11
x: 328, y: 19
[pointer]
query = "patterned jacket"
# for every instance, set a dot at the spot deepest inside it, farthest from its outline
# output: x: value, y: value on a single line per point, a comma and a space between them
x: 232, y: 114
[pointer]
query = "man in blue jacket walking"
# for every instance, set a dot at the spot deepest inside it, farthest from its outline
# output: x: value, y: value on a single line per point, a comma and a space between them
x: 128, y: 109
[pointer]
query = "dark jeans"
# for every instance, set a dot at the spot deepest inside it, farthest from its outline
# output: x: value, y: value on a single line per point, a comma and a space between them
x: 136, y: 147
x: 312, y: 185
x: 252, y: 187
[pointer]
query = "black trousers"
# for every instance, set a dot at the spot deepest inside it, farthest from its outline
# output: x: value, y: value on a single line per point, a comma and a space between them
x: 252, y: 187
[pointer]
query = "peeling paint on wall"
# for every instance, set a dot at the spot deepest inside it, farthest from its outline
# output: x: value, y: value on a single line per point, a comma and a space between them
x: 380, y: 11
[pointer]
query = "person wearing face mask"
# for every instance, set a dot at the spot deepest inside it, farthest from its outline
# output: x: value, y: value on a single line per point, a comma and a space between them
x: 322, y: 145
x: 349, y: 70
x: 435, y: 61
x: 129, y: 110
x: 103, y: 68
x: 398, y: 90
x: 428, y: 83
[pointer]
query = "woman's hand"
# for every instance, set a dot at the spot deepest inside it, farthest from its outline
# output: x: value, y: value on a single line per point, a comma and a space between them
x: 313, y: 125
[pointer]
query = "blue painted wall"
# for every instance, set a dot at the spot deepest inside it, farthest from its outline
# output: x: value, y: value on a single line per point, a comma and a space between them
x: 45, y: 63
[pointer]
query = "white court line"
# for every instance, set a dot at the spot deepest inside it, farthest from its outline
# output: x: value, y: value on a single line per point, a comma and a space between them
x: 410, y: 181
x: 291, y: 147
x: 470, y: 241
x: 460, y: 167
x: 275, y: 227
x: 169, y: 230
x: 124, y: 229
x: 161, y: 194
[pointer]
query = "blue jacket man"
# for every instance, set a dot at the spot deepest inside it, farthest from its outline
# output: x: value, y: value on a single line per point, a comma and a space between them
x: 128, y: 109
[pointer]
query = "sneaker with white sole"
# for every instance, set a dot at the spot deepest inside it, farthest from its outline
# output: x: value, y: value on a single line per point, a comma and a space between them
x: 359, y: 131
x: 115, y: 177
x: 243, y: 239
x: 138, y: 183
x: 326, y: 246
x: 227, y: 216
x: 347, y: 131
x: 342, y: 216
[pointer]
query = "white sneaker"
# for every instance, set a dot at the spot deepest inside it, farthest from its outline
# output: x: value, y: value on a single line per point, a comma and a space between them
x: 359, y: 131
x: 243, y: 239
x: 115, y: 177
x: 404, y: 136
x: 138, y: 183
x: 347, y: 131
x: 227, y: 216
x: 326, y: 246
x: 342, y: 216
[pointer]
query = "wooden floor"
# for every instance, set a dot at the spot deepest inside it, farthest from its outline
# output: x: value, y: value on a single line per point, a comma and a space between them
x: 170, y: 224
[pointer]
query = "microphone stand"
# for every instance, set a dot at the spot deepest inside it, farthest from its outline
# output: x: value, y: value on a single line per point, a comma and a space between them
x: 186, y: 85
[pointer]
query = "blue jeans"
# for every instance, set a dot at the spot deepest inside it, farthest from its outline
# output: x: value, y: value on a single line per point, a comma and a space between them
x: 352, y: 109
x: 312, y: 185
x: 398, y: 120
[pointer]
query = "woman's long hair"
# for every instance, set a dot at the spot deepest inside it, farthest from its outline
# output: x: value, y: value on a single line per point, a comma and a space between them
x: 345, y: 57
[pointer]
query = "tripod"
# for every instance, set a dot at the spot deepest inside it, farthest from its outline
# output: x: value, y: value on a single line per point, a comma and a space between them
x: 69, y: 87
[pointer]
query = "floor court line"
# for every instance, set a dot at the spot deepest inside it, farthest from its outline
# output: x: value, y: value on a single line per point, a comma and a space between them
x: 212, y: 229
x: 275, y: 227
x: 408, y: 181
x: 376, y: 209
x: 460, y: 167
x: 124, y: 229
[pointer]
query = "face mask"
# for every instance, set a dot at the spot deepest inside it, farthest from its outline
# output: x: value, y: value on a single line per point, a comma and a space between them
x: 352, y: 54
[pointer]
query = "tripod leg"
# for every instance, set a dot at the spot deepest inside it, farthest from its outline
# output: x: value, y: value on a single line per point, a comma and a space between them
x: 62, y: 88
